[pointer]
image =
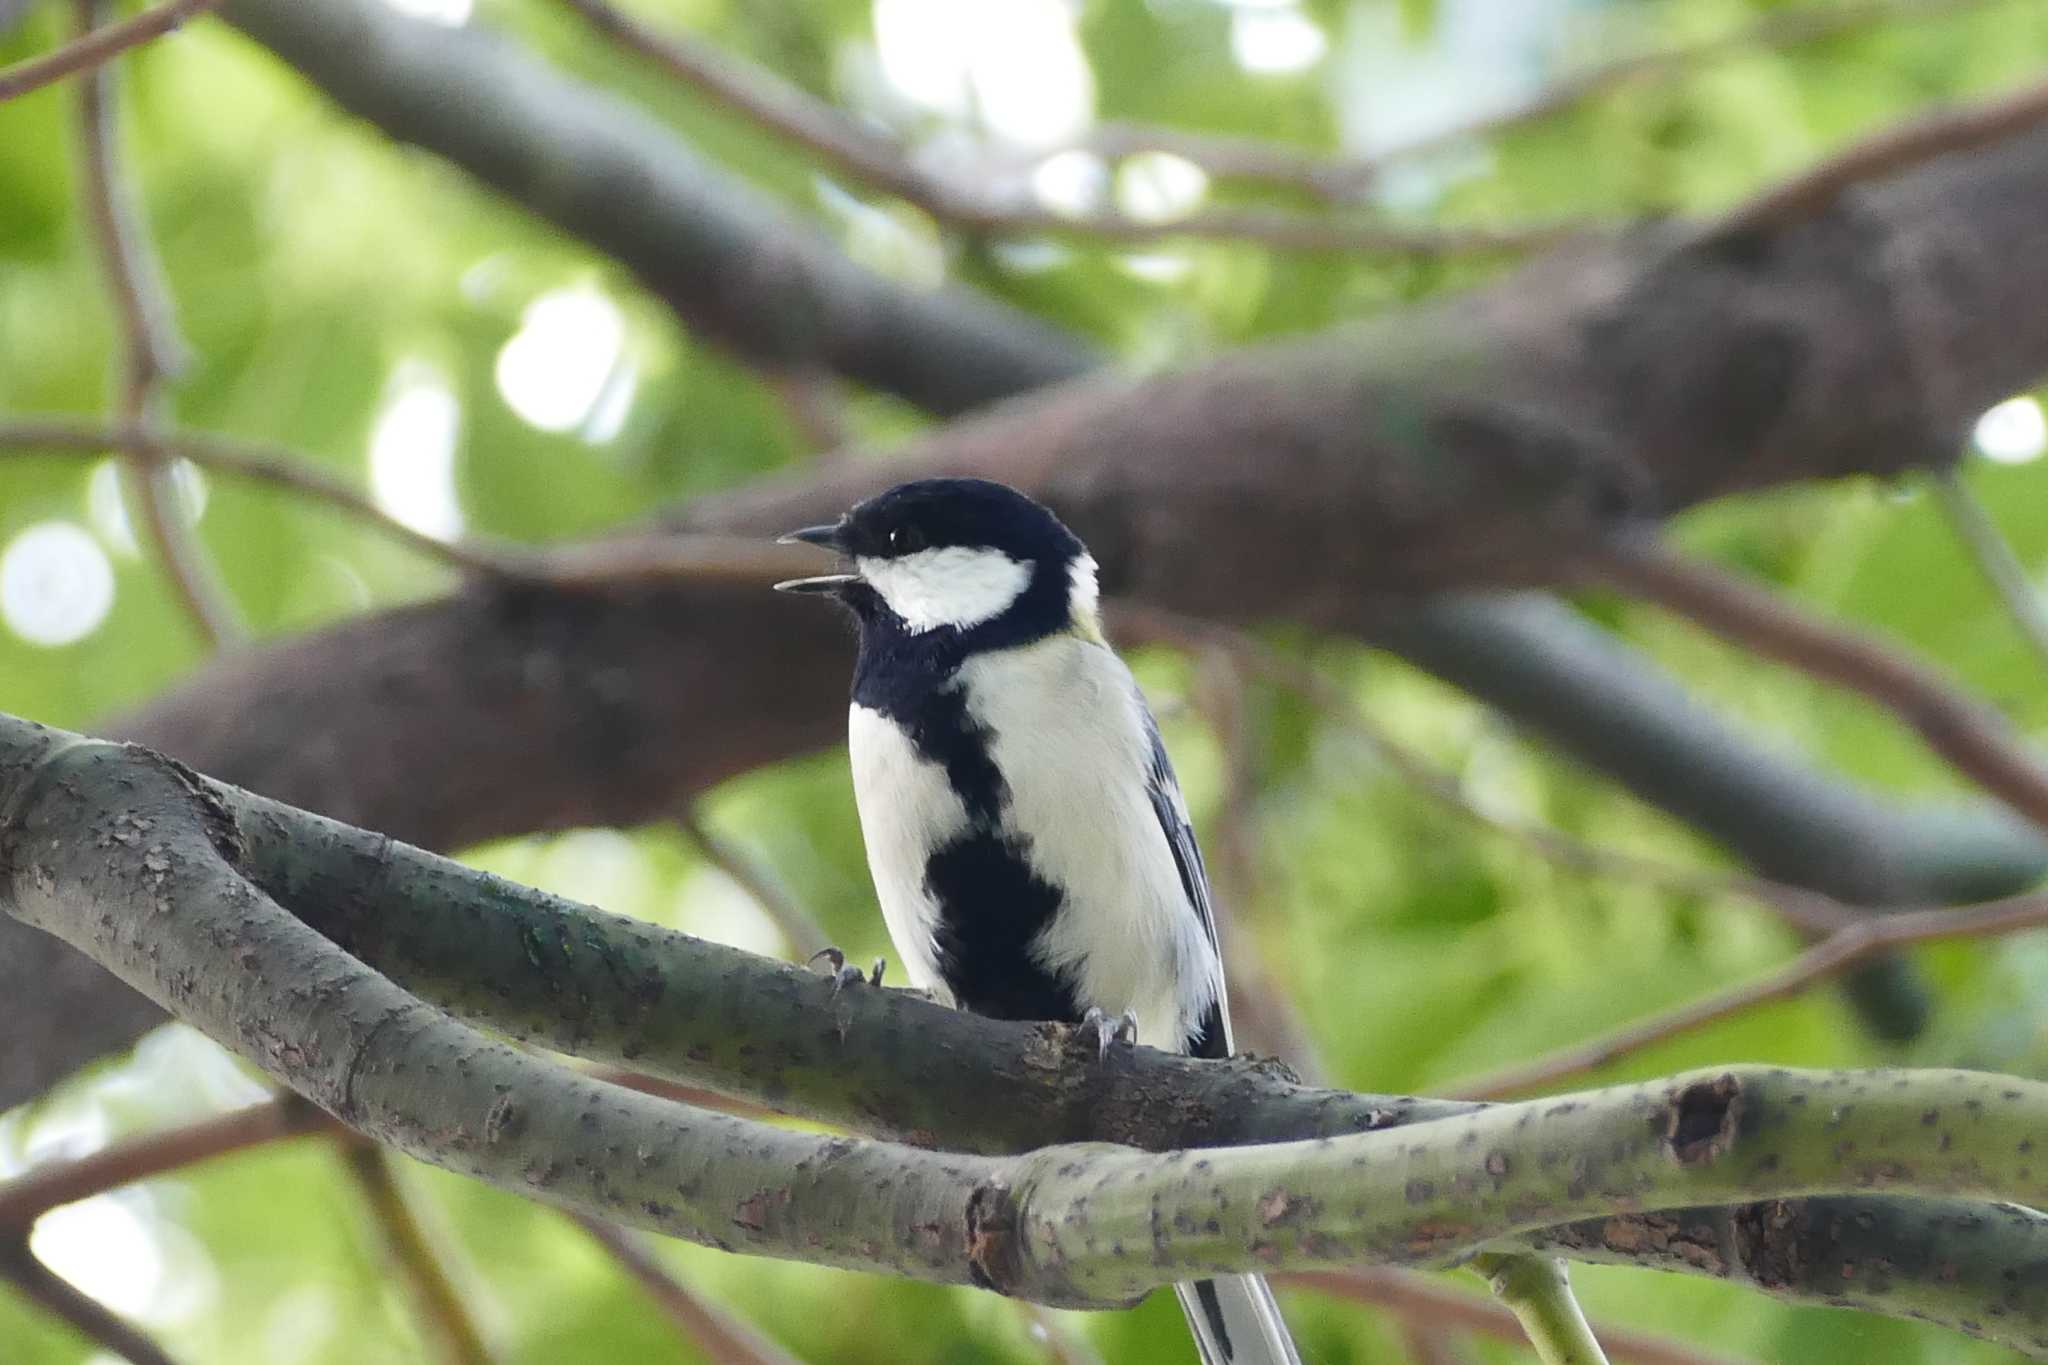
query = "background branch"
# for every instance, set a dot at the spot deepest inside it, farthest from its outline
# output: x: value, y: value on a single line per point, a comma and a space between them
x: 98, y: 45
x: 152, y: 351
x: 445, y: 1320
x: 1552, y: 671
x: 51, y: 1292
x: 1972, y: 737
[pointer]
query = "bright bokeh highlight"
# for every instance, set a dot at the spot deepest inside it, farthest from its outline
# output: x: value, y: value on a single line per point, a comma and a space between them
x: 412, y: 451
x: 56, y: 584
x: 554, y: 370
x: 1014, y: 65
x: 2013, y: 432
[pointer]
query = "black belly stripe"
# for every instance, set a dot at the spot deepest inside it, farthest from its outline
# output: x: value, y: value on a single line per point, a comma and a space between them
x: 944, y: 733
x: 992, y: 908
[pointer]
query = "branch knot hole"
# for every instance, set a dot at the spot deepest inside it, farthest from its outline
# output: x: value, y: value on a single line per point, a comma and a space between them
x: 1702, y: 1120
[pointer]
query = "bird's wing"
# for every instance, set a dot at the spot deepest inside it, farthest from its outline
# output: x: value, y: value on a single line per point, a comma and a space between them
x: 1171, y: 807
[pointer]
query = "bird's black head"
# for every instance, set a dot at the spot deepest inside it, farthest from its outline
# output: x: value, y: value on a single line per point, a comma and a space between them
x: 955, y: 557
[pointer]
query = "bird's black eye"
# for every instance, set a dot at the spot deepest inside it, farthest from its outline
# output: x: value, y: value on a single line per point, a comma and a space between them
x: 905, y: 540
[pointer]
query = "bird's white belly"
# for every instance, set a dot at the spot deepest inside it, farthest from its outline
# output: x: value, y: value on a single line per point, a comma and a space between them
x: 1067, y: 734
x: 907, y: 810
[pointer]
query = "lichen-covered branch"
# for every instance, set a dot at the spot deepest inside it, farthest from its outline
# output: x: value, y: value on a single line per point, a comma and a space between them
x: 142, y: 863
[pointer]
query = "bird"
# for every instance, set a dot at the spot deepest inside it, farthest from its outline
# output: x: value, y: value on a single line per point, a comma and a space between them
x: 1028, y: 841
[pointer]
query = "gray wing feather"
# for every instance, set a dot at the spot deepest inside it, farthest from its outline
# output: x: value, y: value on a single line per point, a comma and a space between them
x: 1163, y: 787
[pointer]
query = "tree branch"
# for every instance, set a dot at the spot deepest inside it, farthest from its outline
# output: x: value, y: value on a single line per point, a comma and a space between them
x: 1538, y: 1292
x: 1883, y: 156
x: 139, y: 859
x: 429, y: 764
x: 152, y: 349
x: 1995, y: 559
x: 985, y: 204
x: 445, y: 1320
x: 57, y: 1296
x: 1974, y: 739
x: 1853, y: 943
x: 1421, y: 1300
x: 718, y: 1334
x: 98, y: 46
x: 701, y: 240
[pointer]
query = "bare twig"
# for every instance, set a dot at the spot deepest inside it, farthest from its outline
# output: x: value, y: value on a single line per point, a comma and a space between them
x: 443, y: 1315
x: 1343, y: 179
x: 35, y: 1192
x: 97, y: 46
x: 30, y: 1195
x: 652, y: 559
x: 1265, y: 1017
x: 883, y: 163
x: 799, y: 929
x: 1973, y: 739
x: 1810, y: 912
x: 1420, y: 1298
x: 1886, y: 154
x: 719, y: 1335
x: 56, y: 1296
x: 257, y: 462
x: 1995, y: 558
x: 1853, y: 943
x: 153, y: 351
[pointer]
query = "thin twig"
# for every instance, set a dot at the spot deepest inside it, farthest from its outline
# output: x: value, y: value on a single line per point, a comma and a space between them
x: 719, y: 1335
x: 97, y: 46
x: 651, y: 559
x: 1884, y: 155
x: 263, y: 464
x: 1265, y: 1017
x: 1995, y: 558
x: 152, y: 349
x: 799, y: 928
x: 1975, y: 740
x: 1343, y: 179
x: 445, y: 1317
x: 34, y: 1192
x: 883, y: 163
x: 1848, y: 946
x: 56, y: 1296
x: 1810, y: 912
x: 1419, y: 1298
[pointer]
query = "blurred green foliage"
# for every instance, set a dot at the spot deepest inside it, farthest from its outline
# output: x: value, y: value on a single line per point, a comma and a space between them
x: 318, y: 271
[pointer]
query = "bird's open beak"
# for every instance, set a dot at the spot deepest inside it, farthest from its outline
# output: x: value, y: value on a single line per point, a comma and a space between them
x: 826, y: 536
x: 831, y: 584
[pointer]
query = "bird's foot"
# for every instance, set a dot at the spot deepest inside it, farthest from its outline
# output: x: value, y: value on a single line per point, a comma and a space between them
x: 1108, y: 1032
x: 844, y: 973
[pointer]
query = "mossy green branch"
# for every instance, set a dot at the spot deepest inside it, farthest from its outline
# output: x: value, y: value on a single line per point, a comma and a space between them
x: 138, y: 862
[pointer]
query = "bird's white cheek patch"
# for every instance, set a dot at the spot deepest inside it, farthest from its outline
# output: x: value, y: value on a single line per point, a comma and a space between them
x: 953, y: 586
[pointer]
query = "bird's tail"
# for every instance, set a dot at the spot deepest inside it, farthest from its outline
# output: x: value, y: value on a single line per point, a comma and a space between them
x: 1236, y: 1322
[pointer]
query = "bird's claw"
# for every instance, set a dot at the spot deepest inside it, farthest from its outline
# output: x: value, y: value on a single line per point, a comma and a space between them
x: 844, y: 973
x: 1124, y: 1029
